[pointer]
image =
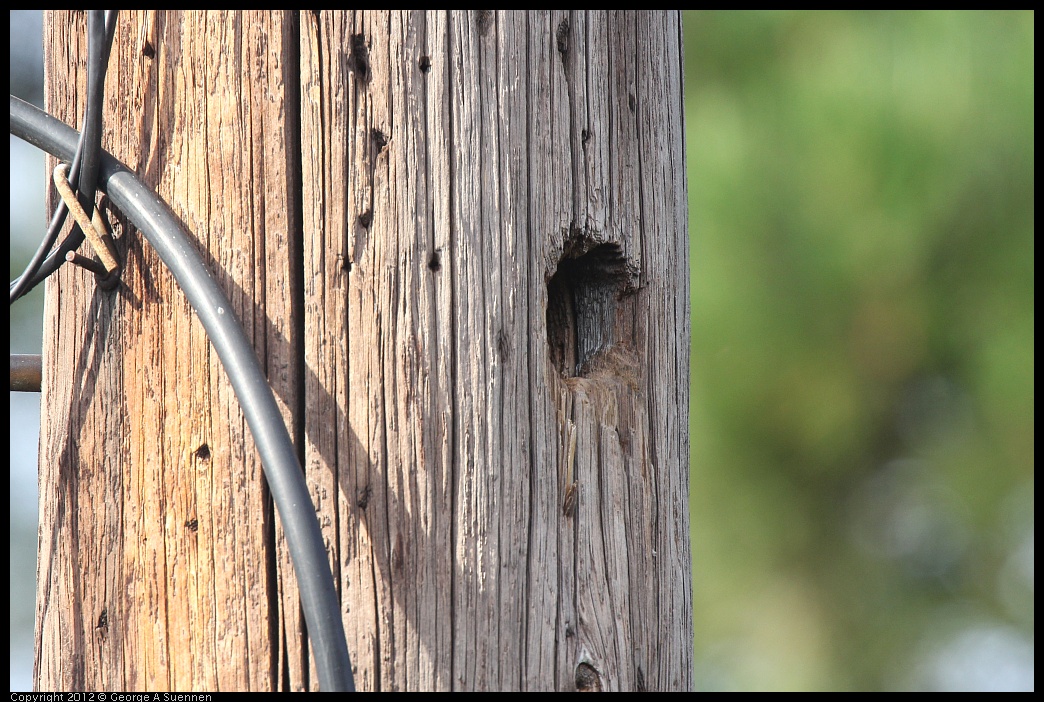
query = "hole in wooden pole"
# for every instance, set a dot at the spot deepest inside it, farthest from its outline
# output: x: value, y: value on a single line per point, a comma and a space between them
x: 582, y: 300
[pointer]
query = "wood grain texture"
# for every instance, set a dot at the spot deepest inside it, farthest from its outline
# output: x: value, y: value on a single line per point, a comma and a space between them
x: 385, y: 197
x: 451, y: 162
x: 155, y: 518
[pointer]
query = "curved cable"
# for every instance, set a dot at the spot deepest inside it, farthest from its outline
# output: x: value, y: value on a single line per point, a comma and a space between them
x: 87, y: 147
x: 175, y: 247
x: 101, y: 28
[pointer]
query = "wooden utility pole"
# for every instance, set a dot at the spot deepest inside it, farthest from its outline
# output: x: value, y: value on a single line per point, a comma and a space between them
x: 459, y: 243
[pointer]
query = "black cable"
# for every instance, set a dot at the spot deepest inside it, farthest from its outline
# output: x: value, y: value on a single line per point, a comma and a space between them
x: 101, y: 27
x: 23, y: 283
x: 175, y: 247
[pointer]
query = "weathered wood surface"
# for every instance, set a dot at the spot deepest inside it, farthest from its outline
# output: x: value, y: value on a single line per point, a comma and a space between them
x: 498, y: 453
x: 156, y: 563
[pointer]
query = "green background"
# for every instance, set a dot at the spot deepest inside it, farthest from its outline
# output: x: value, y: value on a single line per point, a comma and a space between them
x: 861, y: 219
x: 861, y: 216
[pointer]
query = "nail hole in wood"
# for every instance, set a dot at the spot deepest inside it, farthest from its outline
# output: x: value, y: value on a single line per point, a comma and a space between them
x: 562, y: 37
x: 483, y: 20
x: 364, y: 497
x: 359, y: 61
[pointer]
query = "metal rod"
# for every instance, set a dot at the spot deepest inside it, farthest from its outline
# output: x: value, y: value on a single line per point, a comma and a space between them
x: 25, y: 372
x: 86, y: 263
x: 61, y: 181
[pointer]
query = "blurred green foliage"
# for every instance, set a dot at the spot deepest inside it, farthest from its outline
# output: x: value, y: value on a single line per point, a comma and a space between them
x: 861, y: 218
